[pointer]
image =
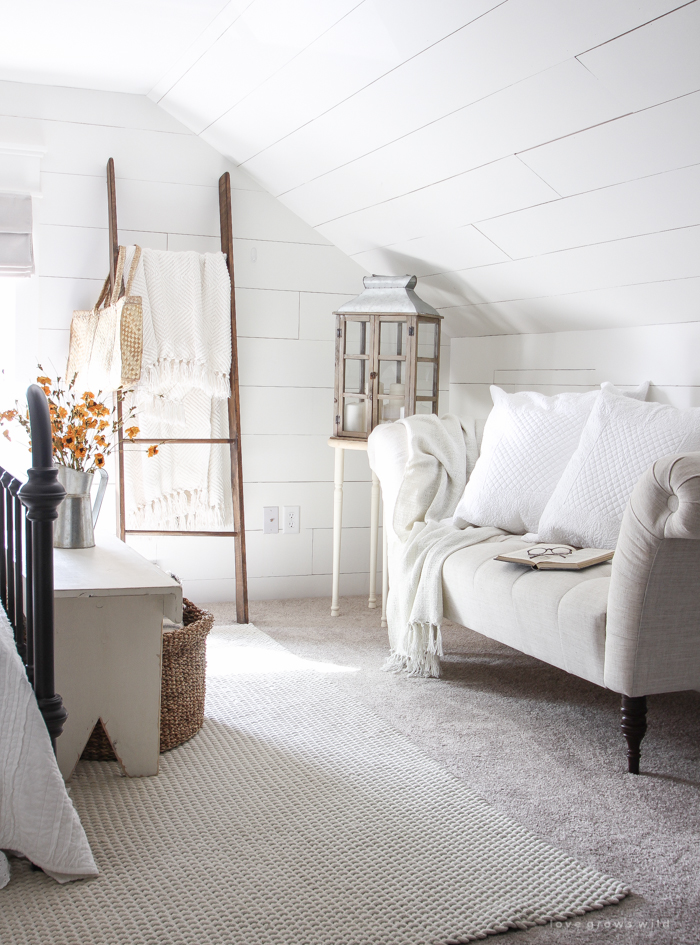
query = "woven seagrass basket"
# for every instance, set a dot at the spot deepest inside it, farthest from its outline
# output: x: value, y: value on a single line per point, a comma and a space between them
x: 182, y: 689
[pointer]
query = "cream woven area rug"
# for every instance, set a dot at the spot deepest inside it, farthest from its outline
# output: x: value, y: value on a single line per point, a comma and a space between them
x: 295, y: 817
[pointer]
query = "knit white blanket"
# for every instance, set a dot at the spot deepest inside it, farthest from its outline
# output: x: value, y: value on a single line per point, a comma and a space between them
x: 37, y: 818
x: 186, y: 300
x: 441, y: 454
x: 182, y: 393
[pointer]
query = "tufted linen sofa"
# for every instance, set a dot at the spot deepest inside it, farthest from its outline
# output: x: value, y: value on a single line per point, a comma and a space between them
x: 631, y: 625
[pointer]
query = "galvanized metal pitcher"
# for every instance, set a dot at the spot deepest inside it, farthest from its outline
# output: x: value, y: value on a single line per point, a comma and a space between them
x: 76, y: 516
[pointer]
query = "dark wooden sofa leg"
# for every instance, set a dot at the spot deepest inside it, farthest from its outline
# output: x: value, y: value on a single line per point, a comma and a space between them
x: 634, y: 726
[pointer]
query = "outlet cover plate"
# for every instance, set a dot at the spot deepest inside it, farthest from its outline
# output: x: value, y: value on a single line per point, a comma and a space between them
x: 271, y: 519
x: 290, y: 519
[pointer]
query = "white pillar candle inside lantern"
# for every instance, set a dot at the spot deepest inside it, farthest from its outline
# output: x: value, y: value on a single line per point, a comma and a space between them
x: 355, y: 418
x: 394, y: 409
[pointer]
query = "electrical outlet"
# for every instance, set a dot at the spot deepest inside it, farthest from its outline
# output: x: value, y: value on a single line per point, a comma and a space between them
x: 271, y: 519
x: 290, y: 519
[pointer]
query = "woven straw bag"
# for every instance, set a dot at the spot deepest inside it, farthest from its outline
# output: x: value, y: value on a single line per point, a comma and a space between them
x: 106, y: 343
x: 183, y: 686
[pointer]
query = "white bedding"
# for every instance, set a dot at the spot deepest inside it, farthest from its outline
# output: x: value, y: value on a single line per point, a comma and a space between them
x: 37, y: 817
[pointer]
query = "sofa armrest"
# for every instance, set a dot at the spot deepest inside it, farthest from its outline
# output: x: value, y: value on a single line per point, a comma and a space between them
x: 653, y: 623
x: 387, y: 451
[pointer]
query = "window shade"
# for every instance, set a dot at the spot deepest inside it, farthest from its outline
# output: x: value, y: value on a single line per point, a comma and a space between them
x: 16, y: 252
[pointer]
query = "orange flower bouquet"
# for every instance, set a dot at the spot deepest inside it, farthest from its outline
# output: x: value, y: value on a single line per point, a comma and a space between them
x: 84, y: 428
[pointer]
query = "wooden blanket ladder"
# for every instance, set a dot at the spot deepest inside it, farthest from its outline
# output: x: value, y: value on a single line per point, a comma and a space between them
x: 234, y: 405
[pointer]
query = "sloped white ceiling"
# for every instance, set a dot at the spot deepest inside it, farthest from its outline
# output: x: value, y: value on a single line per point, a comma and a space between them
x: 535, y: 162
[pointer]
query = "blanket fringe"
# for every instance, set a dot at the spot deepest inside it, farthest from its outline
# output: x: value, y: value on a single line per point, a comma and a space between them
x: 424, y: 646
x: 160, y: 408
x: 180, y: 511
x: 167, y: 373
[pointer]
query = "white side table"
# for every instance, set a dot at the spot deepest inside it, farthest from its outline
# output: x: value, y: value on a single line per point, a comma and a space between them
x: 340, y: 444
x: 109, y: 606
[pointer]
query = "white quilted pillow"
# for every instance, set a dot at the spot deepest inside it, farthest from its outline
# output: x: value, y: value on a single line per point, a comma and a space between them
x: 620, y: 440
x: 528, y: 440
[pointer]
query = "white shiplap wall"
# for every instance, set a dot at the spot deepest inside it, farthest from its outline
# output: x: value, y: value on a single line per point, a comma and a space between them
x: 552, y: 362
x: 535, y: 161
x: 289, y: 280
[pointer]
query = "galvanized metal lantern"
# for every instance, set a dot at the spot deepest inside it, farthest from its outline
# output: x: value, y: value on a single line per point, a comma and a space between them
x: 387, y: 357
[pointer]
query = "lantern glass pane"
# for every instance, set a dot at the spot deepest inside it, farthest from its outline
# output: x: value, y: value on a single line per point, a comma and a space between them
x: 426, y: 374
x: 392, y: 390
x: 355, y: 376
x: 391, y: 372
x: 355, y: 415
x: 355, y: 337
x: 392, y: 338
x: 425, y: 406
x: 427, y: 340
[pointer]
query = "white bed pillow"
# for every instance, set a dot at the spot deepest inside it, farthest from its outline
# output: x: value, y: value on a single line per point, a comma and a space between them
x: 621, y: 439
x: 528, y: 440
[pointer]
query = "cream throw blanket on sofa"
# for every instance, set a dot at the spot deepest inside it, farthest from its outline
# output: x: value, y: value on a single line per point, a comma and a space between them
x: 441, y: 455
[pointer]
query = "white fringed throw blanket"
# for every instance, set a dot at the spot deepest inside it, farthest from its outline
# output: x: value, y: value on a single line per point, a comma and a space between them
x: 441, y: 455
x: 183, y: 392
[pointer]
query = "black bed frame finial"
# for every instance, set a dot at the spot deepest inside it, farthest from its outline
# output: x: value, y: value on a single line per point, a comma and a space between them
x: 41, y: 495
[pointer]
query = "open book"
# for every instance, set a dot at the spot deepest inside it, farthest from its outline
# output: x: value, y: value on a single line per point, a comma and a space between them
x: 555, y: 557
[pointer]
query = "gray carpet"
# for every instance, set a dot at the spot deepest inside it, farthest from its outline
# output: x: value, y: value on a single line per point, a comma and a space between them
x: 545, y: 748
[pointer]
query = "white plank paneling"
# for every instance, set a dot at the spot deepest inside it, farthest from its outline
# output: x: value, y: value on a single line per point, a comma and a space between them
x: 75, y: 148
x: 125, y: 53
x: 182, y: 242
x: 643, y: 304
x: 151, y: 240
x: 274, y: 362
x: 560, y: 101
x: 649, y: 142
x: 441, y: 208
x: 263, y: 264
x: 303, y: 459
x: 261, y: 40
x: 315, y: 499
x: 265, y: 313
x: 654, y: 63
x: 663, y: 354
x: 424, y: 256
x: 74, y: 251
x: 515, y: 40
x: 316, y: 313
x: 198, y: 47
x: 287, y: 410
x: 354, y: 551
x: 192, y: 209
x: 196, y: 556
x: 642, y: 259
x: 278, y: 555
x: 662, y: 202
x: 257, y: 215
x: 58, y: 297
x: 85, y: 106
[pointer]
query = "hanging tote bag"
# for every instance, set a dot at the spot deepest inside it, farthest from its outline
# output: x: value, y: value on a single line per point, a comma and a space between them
x: 106, y: 343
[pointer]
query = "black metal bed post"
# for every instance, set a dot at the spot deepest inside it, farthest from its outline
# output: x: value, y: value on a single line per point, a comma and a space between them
x: 7, y: 480
x: 18, y: 518
x: 3, y: 556
x: 29, y: 602
x: 42, y: 494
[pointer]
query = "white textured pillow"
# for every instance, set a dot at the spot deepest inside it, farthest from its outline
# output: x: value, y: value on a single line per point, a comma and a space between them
x: 620, y: 440
x: 639, y: 393
x: 528, y: 440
